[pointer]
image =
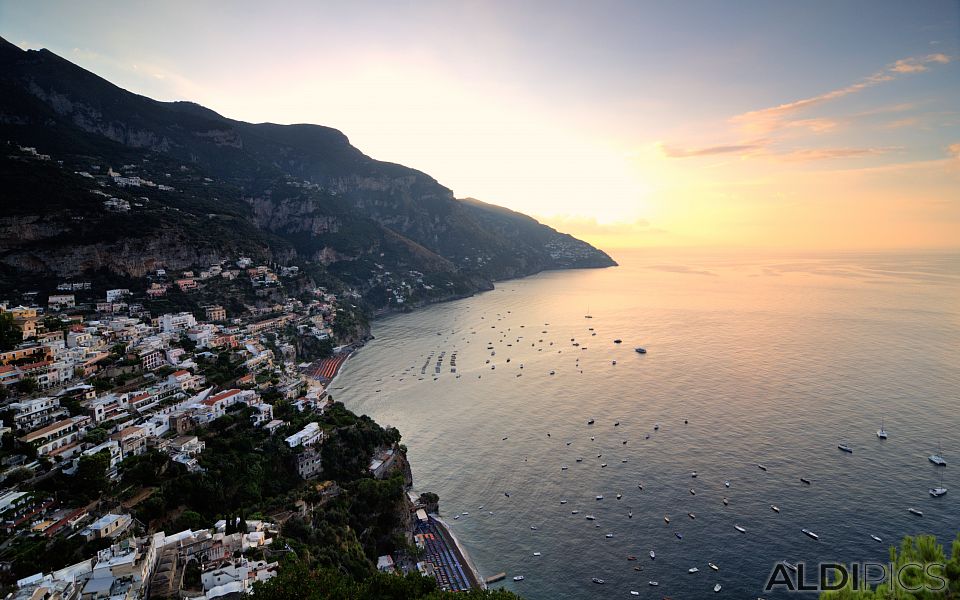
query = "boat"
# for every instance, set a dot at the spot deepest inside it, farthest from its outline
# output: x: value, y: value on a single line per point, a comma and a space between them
x: 634, y: 593
x: 882, y: 433
x: 740, y: 529
x: 938, y: 491
x: 630, y: 515
x: 537, y: 554
x: 666, y: 519
x: 692, y: 492
x: 726, y: 484
x: 678, y: 534
x: 563, y: 502
x: 693, y: 570
x: 619, y: 496
x: 590, y: 422
x: 631, y: 557
x: 616, y: 423
x: 608, y: 536
x: 775, y: 508
x: 533, y: 528
x: 553, y: 372
x: 845, y: 448
x: 618, y: 341
x: 876, y: 539
x: 579, y: 459
x: 602, y: 465
x: 591, y: 518
x: 717, y: 588
x: 574, y: 512
x: 805, y: 480
x: 455, y: 517
x: 693, y: 474
x: 915, y: 512
x: 614, y: 362
x: 725, y: 501
x: 653, y: 583
x: 518, y: 578
x: 563, y: 467
x: 597, y: 580
x: 653, y: 555
x: 937, y: 458
x: 656, y: 426
x: 599, y: 496
x: 691, y: 515
x: 640, y: 486
x: 640, y: 350
x: 790, y: 566
x: 810, y: 534
x: 713, y: 566
x: 761, y: 467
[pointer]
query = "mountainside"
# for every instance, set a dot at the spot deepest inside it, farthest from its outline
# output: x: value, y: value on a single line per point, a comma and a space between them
x: 120, y: 185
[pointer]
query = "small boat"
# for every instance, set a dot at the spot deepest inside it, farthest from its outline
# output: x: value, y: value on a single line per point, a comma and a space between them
x: 634, y: 593
x: 533, y: 528
x: 740, y: 529
x: 630, y: 515
x: 845, y: 448
x: 553, y: 372
x: 717, y: 588
x: 574, y: 512
x: 713, y: 566
x: 599, y: 496
x: 466, y: 514
x: 640, y: 486
x: 656, y: 426
x: 518, y: 578
x: 693, y: 570
x: 507, y: 494
x: 597, y: 580
x: 653, y: 555
x: 937, y: 458
x: 608, y: 536
x: 619, y: 496
x: 579, y: 459
x: 455, y: 517
x: 725, y: 501
x: 563, y: 467
x: 790, y: 566
x: 616, y: 424
x: 563, y: 502
x: 761, y: 467
x: 618, y: 341
x: 537, y: 554
x: 603, y: 465
x: 726, y: 484
x: 691, y: 515
x: 640, y: 350
x: 678, y: 534
x: 631, y: 557
x: 653, y: 583
x: 693, y: 474
x: 692, y: 492
x: 775, y: 508
x: 591, y: 518
x: 876, y: 539
x: 590, y: 422
x: 614, y: 362
x: 915, y: 512
x: 666, y: 519
x: 938, y: 491
x: 810, y: 534
x: 882, y: 433
x: 805, y: 480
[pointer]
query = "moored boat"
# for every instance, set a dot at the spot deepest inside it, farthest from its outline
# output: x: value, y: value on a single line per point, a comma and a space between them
x: 810, y: 534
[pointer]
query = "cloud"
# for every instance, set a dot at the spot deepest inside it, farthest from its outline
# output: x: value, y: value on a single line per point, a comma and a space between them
x: 674, y: 152
x: 918, y: 65
x: 954, y: 150
x: 812, y: 154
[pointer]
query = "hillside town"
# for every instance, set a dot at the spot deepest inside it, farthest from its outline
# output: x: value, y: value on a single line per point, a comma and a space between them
x: 107, y: 406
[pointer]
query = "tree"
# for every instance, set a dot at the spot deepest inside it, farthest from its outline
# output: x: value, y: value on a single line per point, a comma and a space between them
x: 10, y: 334
x: 91, y: 477
x: 96, y: 435
x: 27, y: 385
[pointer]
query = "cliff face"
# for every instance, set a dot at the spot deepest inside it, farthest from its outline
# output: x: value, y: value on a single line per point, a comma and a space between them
x: 290, y: 193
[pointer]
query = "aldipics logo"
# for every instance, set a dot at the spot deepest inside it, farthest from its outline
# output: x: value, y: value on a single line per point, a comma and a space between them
x: 830, y: 576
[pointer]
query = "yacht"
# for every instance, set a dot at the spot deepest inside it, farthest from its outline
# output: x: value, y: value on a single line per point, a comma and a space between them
x: 666, y: 519
x: 619, y: 496
x: 678, y: 534
x: 693, y: 570
x: 775, y: 508
x: 882, y: 433
x: 591, y: 518
x: 653, y: 583
x: 740, y: 529
x: 845, y: 448
x: 811, y: 534
x: 713, y: 566
x: 537, y: 554
x: 915, y: 512
x: 590, y: 422
x: 691, y: 515
x: 563, y: 502
x: 937, y: 458
x: 640, y: 350
x: 599, y: 496
x: 563, y: 467
x: 876, y: 538
x: 938, y: 491
x: 790, y: 566
x: 597, y: 580
x: 608, y: 536
x: 726, y: 484
x: 653, y: 555
x: 717, y: 588
x: 518, y: 578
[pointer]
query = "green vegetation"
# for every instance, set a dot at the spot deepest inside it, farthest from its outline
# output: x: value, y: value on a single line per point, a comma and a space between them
x: 10, y: 334
x: 917, y: 562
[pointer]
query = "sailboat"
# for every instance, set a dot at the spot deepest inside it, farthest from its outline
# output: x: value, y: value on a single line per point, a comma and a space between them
x: 937, y: 458
x: 882, y: 433
x: 938, y: 491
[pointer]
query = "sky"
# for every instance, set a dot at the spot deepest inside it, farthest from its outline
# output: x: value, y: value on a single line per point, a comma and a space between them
x: 815, y: 125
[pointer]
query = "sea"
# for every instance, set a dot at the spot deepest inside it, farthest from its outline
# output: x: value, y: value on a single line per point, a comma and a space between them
x: 772, y: 361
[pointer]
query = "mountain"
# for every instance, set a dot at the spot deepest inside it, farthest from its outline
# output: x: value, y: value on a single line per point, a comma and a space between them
x: 203, y: 188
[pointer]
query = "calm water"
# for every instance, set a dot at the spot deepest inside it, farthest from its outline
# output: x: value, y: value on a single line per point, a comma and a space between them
x: 771, y: 361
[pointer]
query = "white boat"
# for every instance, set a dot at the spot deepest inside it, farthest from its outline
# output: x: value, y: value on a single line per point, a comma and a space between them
x: 761, y: 467
x: 630, y: 515
x: 845, y: 448
x: 790, y: 566
x: 608, y: 536
x: 725, y: 501
x: 692, y: 492
x: 563, y: 502
x: 597, y: 580
x: 563, y: 467
x: 876, y: 539
x: 666, y: 519
x: 691, y: 515
x: 726, y: 484
x: 602, y: 465
x: 599, y: 496
x: 937, y: 458
x: 882, y: 433
x: 713, y: 566
x: 518, y: 578
x: 619, y: 496
x: 938, y: 491
x: 591, y: 518
x: 653, y: 555
x: 634, y: 593
x: 717, y: 588
x: 775, y: 508
x: 693, y: 474
x: 740, y: 529
x: 915, y: 512
x: 693, y: 570
x: 533, y: 528
x: 811, y: 534
x: 653, y: 583
x: 537, y: 554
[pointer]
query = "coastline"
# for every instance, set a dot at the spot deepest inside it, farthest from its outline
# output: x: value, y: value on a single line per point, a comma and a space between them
x: 462, y: 554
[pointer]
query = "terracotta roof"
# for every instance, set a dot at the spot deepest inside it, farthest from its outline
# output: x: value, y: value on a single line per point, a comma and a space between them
x: 221, y: 396
x: 39, y: 433
x: 181, y: 372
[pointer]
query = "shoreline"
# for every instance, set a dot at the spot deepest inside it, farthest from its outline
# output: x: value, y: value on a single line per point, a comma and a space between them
x: 462, y: 554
